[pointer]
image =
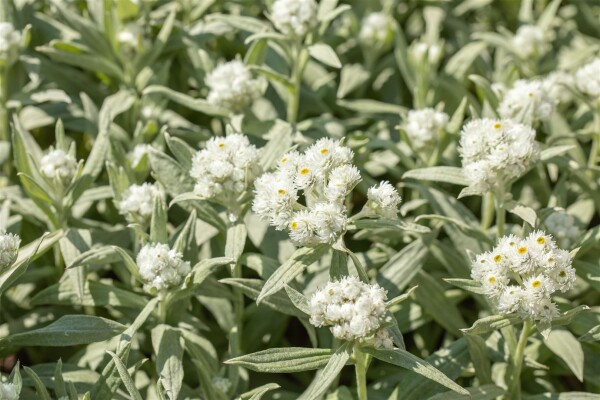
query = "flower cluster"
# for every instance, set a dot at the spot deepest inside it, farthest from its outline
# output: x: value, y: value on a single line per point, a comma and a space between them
x: 325, y: 175
x: 587, y: 78
x: 9, y: 43
x: 9, y: 247
x: 294, y: 17
x: 353, y: 309
x: 520, y: 275
x: 527, y: 101
x: 496, y: 151
x: 225, y: 168
x: 376, y: 30
x: 161, y: 268
x: 138, y: 201
x: 563, y: 226
x: 232, y: 86
x: 59, y: 165
x: 383, y: 201
x: 9, y: 391
x: 423, y: 127
x: 530, y: 41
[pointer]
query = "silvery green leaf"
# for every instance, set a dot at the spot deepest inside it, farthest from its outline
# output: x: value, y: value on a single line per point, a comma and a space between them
x: 352, y: 77
x: 371, y: 106
x: 456, y: 121
x: 259, y: 392
x: 302, y: 258
x: 404, y: 359
x: 280, y: 141
x: 129, y: 262
x: 40, y: 389
x: 284, y: 360
x: 59, y: 384
x: 158, y: 222
x: 161, y: 40
x: 339, y: 264
x: 199, y: 105
x: 593, y: 335
x: 479, y: 355
x: 299, y: 300
x: 325, y: 377
x: 552, y: 152
x: 69, y: 330
x: 235, y: 241
x: 466, y: 284
x: 166, y: 342
x: 562, y: 343
x: 399, y: 299
x: 240, y: 22
x: 182, y: 151
x: 325, y: 54
x: 390, y: 224
x: 566, y: 317
x: 527, y: 214
x: 124, y: 374
x: 491, y: 323
x: 273, y: 76
x: 399, y: 271
x: 452, y: 175
x: 483, y: 392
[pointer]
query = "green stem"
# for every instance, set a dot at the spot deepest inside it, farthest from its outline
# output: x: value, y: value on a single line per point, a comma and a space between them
x: 514, y: 386
x: 299, y: 62
x: 487, y: 211
x: 593, y: 158
x: 500, y: 211
x: 361, y: 373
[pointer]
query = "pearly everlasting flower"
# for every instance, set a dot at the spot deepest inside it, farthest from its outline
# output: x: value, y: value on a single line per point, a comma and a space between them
x: 376, y: 30
x: 232, y: 86
x: 9, y: 391
x: 520, y: 275
x: 558, y: 85
x: 496, y: 151
x: 10, y: 40
x: 9, y: 248
x: 138, y: 201
x: 530, y: 41
x: 423, y: 127
x: 225, y: 168
x: 587, y: 79
x: 563, y: 227
x: 421, y: 51
x: 383, y: 340
x: 57, y: 164
x: 353, y: 310
x: 294, y: 17
x: 383, y: 200
x: 223, y: 384
x: 160, y: 267
x: 138, y: 153
x: 527, y: 101
x: 343, y: 179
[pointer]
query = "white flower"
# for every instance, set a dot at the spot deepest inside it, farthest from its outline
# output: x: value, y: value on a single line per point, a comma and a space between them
x: 352, y: 309
x: 57, y: 164
x: 520, y: 275
x: 383, y: 340
x: 383, y: 200
x: 341, y: 182
x: 275, y: 196
x: 330, y: 221
x: 527, y: 101
x: 587, y: 78
x: 9, y: 248
x: 137, y: 201
x: 423, y: 127
x: 232, y: 87
x: 563, y: 227
x: 138, y: 153
x: 530, y: 41
x: 225, y: 169
x: 376, y: 30
x: 303, y: 228
x: 10, y: 40
x: 9, y: 391
x: 223, y: 384
x: 160, y: 267
x: 294, y: 17
x: 496, y: 151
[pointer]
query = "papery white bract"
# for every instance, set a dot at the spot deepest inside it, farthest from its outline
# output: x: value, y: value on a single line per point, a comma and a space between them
x: 423, y: 127
x: 587, y: 78
x: 59, y: 165
x: 527, y: 101
x: 8, y: 391
x: 496, y: 151
x: 137, y: 201
x: 232, y: 86
x: 376, y: 30
x: 9, y: 248
x: 531, y: 41
x: 383, y: 200
x: 294, y: 17
x: 160, y: 267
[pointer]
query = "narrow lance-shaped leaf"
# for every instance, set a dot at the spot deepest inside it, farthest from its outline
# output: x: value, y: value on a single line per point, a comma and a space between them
x: 284, y: 360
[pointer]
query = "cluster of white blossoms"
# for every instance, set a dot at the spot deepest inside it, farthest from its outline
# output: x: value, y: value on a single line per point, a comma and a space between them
x: 9, y: 248
x: 225, y: 168
x: 9, y: 391
x: 423, y: 127
x: 496, y: 151
x: 294, y: 17
x: 587, y: 78
x: 353, y: 310
x: 376, y: 30
x: 138, y: 153
x: 563, y: 227
x: 528, y: 101
x: 161, y: 268
x: 59, y: 165
x: 232, y: 86
x: 10, y: 40
x: 520, y: 275
x: 137, y: 201
x: 530, y: 41
x: 383, y: 201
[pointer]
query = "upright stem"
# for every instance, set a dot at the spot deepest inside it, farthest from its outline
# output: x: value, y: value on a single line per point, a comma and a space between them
x: 500, y: 211
x: 299, y: 60
x: 514, y: 386
x: 487, y: 210
x: 4, y: 128
x: 361, y: 373
x: 596, y: 138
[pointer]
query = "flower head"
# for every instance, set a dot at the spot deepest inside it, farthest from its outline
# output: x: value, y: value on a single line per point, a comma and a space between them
x: 531, y: 41
x: 9, y: 391
x: 225, y: 168
x: 587, y: 78
x: 527, y: 101
x: 384, y: 200
x: 376, y: 30
x: 9, y: 248
x: 160, y: 267
x: 57, y: 164
x: 353, y: 310
x: 521, y: 274
x: 138, y: 201
x: 232, y: 86
x: 294, y: 17
x: 496, y: 151
x: 423, y: 127
x: 9, y: 43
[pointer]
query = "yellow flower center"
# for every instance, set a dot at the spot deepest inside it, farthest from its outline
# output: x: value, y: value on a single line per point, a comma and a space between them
x: 536, y: 284
x: 284, y: 160
x: 221, y: 145
x: 522, y: 250
x: 492, y: 279
x: 562, y: 274
x: 304, y: 171
x: 497, y: 258
x: 281, y: 192
x: 324, y: 151
x: 540, y: 240
x: 294, y: 225
x: 497, y: 125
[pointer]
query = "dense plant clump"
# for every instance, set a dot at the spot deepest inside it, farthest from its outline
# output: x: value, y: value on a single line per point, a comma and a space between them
x: 299, y: 199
